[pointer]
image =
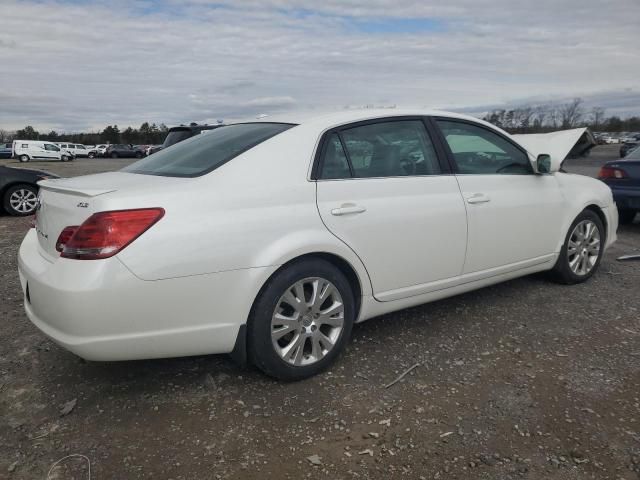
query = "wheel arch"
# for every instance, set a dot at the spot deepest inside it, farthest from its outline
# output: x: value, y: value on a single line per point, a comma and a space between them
x: 240, y: 354
x: 603, y: 218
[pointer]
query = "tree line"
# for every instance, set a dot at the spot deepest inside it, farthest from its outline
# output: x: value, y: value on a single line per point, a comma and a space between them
x: 523, y: 119
x: 146, y: 134
x: 550, y: 117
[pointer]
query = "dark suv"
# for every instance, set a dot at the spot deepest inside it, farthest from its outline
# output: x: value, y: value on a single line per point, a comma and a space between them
x: 178, y: 134
x: 115, y: 151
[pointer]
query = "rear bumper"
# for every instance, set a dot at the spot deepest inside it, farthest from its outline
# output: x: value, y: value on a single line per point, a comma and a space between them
x: 626, y: 198
x: 99, y: 310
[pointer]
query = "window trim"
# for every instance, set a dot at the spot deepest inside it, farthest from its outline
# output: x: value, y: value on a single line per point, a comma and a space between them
x: 445, y: 145
x: 318, y: 160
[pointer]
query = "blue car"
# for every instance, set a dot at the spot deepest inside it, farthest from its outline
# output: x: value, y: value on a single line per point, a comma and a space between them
x: 623, y: 177
x: 5, y: 150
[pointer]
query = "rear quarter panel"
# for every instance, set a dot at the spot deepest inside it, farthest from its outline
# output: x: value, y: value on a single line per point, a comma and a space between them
x: 257, y: 210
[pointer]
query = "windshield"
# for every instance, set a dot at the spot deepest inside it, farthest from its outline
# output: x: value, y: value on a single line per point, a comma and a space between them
x: 203, y: 153
x: 176, y: 136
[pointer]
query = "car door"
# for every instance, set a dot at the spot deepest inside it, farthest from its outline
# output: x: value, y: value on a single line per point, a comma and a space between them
x: 383, y: 190
x: 515, y: 216
x: 51, y: 151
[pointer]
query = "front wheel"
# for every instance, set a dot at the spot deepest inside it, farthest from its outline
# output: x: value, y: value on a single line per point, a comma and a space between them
x: 114, y: 155
x: 301, y: 320
x: 138, y: 154
x: 21, y: 200
x: 582, y: 250
x: 92, y: 155
x: 64, y: 158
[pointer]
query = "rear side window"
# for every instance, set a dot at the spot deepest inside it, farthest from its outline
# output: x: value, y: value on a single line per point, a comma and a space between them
x: 203, y: 153
x: 382, y: 149
x: 477, y: 150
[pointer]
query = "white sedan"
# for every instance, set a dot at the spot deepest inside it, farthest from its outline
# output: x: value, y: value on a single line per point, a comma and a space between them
x: 270, y: 239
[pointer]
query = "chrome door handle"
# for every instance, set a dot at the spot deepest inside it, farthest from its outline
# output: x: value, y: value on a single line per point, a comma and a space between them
x: 348, y: 209
x: 478, y: 198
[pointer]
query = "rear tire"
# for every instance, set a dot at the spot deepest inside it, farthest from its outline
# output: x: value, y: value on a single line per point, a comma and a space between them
x: 581, y: 251
x: 626, y: 216
x: 20, y: 200
x: 92, y: 155
x: 114, y: 155
x: 315, y: 304
x: 64, y: 158
x: 23, y: 158
x: 139, y: 155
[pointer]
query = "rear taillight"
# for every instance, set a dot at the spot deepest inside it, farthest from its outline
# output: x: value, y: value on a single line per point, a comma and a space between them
x: 104, y: 234
x: 64, y: 237
x: 612, y: 172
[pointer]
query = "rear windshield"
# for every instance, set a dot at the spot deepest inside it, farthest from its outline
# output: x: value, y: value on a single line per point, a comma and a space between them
x: 176, y: 136
x: 203, y: 153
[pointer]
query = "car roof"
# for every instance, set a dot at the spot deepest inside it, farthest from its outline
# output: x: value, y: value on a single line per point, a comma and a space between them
x: 328, y: 119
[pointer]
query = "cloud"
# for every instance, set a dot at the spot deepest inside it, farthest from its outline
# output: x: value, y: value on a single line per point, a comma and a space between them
x: 87, y: 64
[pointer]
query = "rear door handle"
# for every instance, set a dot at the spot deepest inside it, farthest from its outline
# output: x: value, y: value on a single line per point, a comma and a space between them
x: 478, y: 198
x: 348, y: 209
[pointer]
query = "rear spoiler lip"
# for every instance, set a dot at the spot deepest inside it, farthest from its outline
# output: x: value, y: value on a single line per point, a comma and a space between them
x: 84, y: 192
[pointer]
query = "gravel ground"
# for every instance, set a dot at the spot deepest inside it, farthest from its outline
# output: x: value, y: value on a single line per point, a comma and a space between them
x: 526, y: 379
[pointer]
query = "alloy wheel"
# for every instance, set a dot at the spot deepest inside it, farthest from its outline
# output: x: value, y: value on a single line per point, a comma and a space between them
x: 307, y: 321
x: 583, y: 248
x: 23, y: 201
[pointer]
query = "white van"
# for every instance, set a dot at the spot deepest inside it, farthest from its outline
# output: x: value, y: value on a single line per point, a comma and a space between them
x: 25, y: 150
x: 75, y: 148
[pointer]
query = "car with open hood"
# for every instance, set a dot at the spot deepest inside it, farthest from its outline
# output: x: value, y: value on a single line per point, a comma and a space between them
x: 269, y: 239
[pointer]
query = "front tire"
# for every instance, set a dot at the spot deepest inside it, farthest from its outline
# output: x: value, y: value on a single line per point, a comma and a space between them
x: 301, y: 320
x: 92, y: 155
x: 582, y: 250
x: 21, y: 200
x: 114, y: 155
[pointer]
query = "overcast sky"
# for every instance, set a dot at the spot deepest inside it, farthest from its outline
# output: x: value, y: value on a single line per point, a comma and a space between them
x: 78, y: 65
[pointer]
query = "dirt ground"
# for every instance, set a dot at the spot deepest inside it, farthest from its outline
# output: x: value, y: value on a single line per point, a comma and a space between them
x: 526, y: 379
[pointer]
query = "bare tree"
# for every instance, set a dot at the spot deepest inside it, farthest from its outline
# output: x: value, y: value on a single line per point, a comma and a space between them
x: 597, y: 116
x: 571, y: 113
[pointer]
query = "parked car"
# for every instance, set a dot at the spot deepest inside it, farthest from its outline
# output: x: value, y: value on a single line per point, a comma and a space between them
x: 26, y: 150
x: 299, y: 228
x: 623, y: 177
x: 611, y: 140
x: 6, y: 150
x: 627, y: 147
x: 152, y: 149
x: 125, y: 151
x: 181, y: 133
x: 97, y: 151
x: 75, y: 148
x: 19, y: 189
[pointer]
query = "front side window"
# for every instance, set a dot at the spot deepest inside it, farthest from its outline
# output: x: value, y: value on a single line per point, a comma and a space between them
x: 477, y: 150
x: 201, y: 154
x: 51, y: 148
x: 385, y: 149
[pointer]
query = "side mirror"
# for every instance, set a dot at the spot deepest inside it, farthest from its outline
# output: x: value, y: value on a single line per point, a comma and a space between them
x: 543, y: 163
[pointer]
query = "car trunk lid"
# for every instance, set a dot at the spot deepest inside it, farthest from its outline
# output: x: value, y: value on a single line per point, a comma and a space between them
x: 70, y: 201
